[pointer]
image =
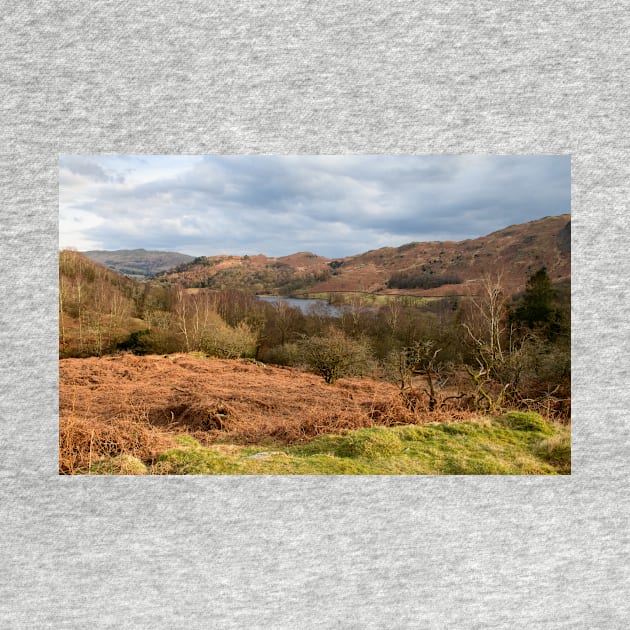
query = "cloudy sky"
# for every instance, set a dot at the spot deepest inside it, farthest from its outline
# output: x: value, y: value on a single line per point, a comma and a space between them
x: 277, y: 205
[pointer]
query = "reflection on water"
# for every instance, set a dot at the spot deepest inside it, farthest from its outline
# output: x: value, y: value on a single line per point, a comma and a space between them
x: 306, y: 305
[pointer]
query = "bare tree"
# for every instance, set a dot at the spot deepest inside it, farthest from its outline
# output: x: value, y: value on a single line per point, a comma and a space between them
x: 285, y: 318
x: 487, y: 325
x: 486, y: 328
x: 181, y: 314
x: 392, y: 311
x: 421, y: 358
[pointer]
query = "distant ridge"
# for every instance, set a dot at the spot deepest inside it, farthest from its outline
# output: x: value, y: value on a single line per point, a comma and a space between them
x: 138, y: 264
x: 415, y: 268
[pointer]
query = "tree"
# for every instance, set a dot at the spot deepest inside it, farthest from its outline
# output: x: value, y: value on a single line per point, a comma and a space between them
x: 194, y: 314
x: 537, y: 308
x: 505, y: 365
x: 335, y: 355
x: 285, y: 318
x: 486, y: 327
x: 420, y: 358
x: 353, y: 313
x: 392, y: 311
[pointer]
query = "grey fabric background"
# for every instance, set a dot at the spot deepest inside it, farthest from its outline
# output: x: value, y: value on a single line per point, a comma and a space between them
x: 314, y: 552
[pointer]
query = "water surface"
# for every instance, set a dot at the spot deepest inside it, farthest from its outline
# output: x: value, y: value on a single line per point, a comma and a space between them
x: 306, y: 305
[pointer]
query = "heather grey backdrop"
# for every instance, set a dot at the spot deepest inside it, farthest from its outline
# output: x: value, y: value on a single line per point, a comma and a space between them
x: 302, y: 77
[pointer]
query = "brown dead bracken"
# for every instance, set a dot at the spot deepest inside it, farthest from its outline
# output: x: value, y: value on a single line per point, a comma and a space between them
x: 137, y: 405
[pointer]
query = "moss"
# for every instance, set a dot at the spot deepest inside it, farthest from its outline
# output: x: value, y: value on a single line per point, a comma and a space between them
x: 326, y: 444
x: 318, y: 464
x: 187, y: 441
x: 198, y: 354
x: 370, y: 443
x: 413, y: 433
x: 194, y: 461
x: 123, y: 464
x: 463, y: 448
x: 364, y: 443
x: 526, y: 421
x: 473, y: 466
x: 458, y: 428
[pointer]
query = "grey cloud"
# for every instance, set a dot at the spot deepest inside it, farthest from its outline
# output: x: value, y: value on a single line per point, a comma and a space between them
x: 79, y: 165
x: 332, y: 205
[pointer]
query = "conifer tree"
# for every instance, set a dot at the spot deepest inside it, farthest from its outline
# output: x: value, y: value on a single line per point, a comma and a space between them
x: 537, y: 307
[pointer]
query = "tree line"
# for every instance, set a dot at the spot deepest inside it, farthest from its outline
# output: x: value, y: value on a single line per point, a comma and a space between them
x: 420, y: 279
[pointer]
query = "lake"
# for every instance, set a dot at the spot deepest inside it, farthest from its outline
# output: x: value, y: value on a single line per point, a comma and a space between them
x: 305, y: 304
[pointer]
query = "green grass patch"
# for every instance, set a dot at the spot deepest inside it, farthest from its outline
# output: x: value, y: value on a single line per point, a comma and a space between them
x: 514, y: 444
x: 556, y: 450
x: 123, y: 464
x: 368, y: 299
x: 526, y: 421
x: 364, y: 443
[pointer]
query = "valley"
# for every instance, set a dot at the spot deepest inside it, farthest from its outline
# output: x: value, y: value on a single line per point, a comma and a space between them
x: 427, y: 358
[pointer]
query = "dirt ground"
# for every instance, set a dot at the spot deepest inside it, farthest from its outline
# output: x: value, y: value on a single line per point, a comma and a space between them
x: 222, y: 400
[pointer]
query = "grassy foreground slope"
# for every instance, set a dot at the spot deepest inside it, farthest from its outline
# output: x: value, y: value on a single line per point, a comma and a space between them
x: 516, y: 443
x: 187, y: 415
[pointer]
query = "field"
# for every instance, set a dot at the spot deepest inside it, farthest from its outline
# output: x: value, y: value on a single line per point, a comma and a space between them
x: 189, y: 414
x: 363, y: 298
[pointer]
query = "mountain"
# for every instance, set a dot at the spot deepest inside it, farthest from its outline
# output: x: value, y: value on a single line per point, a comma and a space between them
x: 424, y: 269
x: 138, y: 264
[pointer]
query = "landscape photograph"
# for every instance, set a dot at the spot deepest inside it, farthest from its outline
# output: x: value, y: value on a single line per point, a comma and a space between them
x: 314, y: 314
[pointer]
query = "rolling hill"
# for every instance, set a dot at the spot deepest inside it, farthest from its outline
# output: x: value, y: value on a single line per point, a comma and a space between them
x: 138, y: 264
x: 423, y: 269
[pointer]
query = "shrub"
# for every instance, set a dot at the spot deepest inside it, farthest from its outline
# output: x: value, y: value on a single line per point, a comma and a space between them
x: 287, y: 354
x: 335, y: 355
x: 137, y: 342
x: 226, y: 342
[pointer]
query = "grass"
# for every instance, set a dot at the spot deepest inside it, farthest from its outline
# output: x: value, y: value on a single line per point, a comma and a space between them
x: 526, y: 421
x: 507, y: 445
x: 369, y: 299
x: 119, y: 465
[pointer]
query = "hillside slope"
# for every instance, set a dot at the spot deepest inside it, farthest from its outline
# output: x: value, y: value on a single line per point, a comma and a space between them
x: 138, y: 264
x: 97, y: 306
x: 424, y: 269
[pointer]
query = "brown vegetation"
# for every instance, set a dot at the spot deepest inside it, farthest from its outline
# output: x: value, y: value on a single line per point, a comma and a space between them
x: 84, y: 439
x: 136, y: 405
